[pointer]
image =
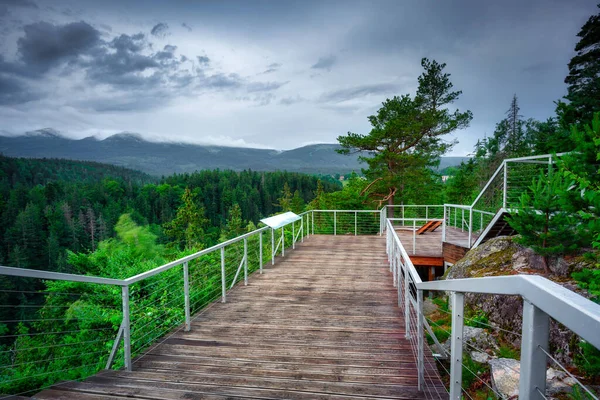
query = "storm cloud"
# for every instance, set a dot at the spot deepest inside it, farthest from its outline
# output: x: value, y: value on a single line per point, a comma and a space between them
x: 278, y: 74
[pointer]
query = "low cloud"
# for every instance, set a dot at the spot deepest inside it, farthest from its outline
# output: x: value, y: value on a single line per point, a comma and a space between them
x: 272, y: 68
x: 338, y: 96
x: 325, y: 63
x: 186, y: 26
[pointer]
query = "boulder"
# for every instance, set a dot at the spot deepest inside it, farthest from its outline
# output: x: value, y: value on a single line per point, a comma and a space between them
x: 476, y: 337
x: 479, y: 357
x: 505, y: 373
x: 505, y: 376
x: 558, y: 382
x: 503, y: 256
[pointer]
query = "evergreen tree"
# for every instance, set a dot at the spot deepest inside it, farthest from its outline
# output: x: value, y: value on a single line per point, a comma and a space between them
x: 285, y: 201
x: 544, y: 221
x: 584, y: 76
x: 186, y: 230
x: 407, y: 134
x: 235, y: 224
x: 297, y: 204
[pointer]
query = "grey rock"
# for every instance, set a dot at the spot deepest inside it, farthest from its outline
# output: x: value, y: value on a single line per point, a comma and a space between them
x: 558, y: 382
x: 505, y: 376
x: 479, y: 357
x: 478, y: 338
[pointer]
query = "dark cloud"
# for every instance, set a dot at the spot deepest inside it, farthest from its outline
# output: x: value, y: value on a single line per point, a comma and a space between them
x: 46, y: 45
x: 338, y: 96
x: 7, y: 5
x: 168, y: 53
x: 203, y: 59
x: 186, y: 26
x: 160, y: 30
x: 325, y: 63
x: 19, y: 3
x: 13, y: 91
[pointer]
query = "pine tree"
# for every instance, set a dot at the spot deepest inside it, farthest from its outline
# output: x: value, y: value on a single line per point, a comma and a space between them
x: 285, y: 201
x: 297, y: 203
x: 235, y: 224
x: 406, y: 134
x: 186, y: 230
x: 544, y: 220
x: 584, y: 76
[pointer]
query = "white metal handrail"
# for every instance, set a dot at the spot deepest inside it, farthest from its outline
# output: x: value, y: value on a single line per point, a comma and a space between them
x: 542, y: 300
x: 124, y: 332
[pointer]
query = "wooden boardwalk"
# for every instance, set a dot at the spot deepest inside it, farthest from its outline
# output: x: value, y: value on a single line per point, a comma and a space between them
x: 430, y: 243
x: 323, y: 323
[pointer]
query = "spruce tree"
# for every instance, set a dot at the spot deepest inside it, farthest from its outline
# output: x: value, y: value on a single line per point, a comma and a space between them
x: 584, y: 76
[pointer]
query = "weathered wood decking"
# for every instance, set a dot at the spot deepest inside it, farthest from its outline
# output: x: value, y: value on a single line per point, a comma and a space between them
x: 323, y: 323
x: 430, y: 243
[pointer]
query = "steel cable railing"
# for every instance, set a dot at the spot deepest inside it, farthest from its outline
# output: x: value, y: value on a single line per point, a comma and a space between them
x: 563, y: 305
x: 345, y: 222
x: 50, y: 334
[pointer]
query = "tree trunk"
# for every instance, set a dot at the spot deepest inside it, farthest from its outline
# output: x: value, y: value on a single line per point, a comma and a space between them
x: 390, y: 210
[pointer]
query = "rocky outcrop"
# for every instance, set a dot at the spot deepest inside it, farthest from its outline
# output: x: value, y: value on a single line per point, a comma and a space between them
x: 505, y: 376
x: 503, y: 256
x: 505, y: 373
x: 477, y: 338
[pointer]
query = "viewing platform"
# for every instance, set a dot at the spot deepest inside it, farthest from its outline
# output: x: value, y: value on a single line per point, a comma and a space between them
x: 322, y: 323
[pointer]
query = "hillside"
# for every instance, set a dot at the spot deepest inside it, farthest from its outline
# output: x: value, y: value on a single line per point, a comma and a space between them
x: 132, y: 151
x: 29, y: 172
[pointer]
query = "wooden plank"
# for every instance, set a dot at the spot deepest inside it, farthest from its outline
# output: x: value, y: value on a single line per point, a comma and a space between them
x: 321, y: 324
x: 425, y: 227
x: 427, y: 261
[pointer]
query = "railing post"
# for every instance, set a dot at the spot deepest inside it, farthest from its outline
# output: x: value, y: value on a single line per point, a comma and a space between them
x: 455, y: 224
x: 186, y: 296
x: 394, y: 267
x: 313, y: 222
x: 272, y: 246
x: 260, y: 252
x: 481, y: 224
x: 470, y: 226
x: 282, y: 241
x: 420, y: 344
x: 245, y: 261
x: 505, y: 185
x: 414, y: 236
x: 444, y: 226
x: 456, y: 346
x: 293, y: 235
x: 302, y: 229
x: 223, y: 283
x: 536, y: 331
x: 426, y: 213
x: 400, y: 278
x: 355, y: 223
x: 334, y: 223
x: 406, y: 302
x: 126, y: 329
x: 462, y: 220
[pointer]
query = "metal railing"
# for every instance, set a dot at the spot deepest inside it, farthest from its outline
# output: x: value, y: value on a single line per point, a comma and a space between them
x: 111, y: 322
x: 542, y: 300
x: 345, y: 222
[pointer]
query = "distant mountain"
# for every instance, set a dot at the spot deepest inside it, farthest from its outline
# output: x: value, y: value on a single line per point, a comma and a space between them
x: 132, y: 151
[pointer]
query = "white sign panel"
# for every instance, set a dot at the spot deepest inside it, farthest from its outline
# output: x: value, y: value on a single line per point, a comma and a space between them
x: 280, y: 220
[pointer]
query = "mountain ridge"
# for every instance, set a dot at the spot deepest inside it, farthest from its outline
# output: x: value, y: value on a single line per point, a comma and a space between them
x: 131, y: 150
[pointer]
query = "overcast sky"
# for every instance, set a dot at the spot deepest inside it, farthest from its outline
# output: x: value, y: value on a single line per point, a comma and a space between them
x: 277, y: 74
